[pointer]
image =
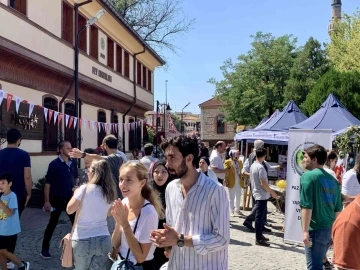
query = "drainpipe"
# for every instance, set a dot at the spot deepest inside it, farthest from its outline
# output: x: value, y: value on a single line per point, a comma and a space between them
x: 135, y: 97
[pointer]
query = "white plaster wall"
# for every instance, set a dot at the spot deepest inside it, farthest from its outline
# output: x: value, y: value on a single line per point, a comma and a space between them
x: 39, y: 166
x: 47, y: 14
x: 5, y: 2
x: 102, y: 50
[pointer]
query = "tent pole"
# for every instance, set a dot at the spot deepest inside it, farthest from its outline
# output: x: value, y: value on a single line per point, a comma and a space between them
x: 246, y: 150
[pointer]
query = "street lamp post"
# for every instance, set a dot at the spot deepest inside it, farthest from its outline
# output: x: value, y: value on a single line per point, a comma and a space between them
x: 182, y: 115
x: 90, y: 22
x: 166, y: 82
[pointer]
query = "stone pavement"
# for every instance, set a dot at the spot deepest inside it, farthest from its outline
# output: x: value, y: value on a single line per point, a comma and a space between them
x: 243, y: 254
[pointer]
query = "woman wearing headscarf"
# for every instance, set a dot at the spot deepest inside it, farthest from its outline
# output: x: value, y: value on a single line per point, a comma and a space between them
x: 204, y: 164
x: 161, y: 178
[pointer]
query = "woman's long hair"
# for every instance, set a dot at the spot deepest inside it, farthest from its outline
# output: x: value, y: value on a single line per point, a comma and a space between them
x: 357, y: 167
x: 147, y: 192
x: 331, y: 156
x: 102, y: 177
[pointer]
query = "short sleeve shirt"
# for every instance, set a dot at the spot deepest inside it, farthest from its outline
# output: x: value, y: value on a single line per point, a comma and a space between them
x: 115, y: 161
x: 320, y: 192
x: 257, y: 172
x: 9, y: 225
x: 217, y: 162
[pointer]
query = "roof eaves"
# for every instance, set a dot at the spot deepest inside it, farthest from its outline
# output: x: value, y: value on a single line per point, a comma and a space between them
x: 122, y: 20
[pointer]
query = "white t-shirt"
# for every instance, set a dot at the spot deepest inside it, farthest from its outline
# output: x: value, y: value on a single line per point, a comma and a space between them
x: 217, y: 162
x: 330, y: 171
x: 350, y: 184
x: 148, y: 221
x: 93, y: 214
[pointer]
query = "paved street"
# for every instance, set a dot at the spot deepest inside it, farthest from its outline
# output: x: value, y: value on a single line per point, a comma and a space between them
x: 243, y: 254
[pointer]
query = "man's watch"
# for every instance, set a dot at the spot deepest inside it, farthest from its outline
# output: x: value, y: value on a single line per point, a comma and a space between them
x: 83, y: 155
x: 181, y: 241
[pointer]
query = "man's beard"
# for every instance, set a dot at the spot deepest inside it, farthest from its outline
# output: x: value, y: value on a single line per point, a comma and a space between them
x: 180, y: 171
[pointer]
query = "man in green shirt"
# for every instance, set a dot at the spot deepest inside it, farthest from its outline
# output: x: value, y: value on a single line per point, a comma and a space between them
x: 320, y: 202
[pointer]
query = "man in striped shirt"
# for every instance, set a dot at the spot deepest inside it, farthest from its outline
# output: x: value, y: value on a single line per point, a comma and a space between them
x: 197, y: 212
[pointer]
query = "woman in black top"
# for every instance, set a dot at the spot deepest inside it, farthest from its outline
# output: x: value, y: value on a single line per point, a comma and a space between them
x: 161, y: 178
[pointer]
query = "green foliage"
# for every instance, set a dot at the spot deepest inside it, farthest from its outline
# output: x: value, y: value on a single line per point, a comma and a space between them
x: 40, y: 184
x: 351, y: 138
x: 151, y: 134
x: 177, y: 121
x: 345, y: 86
x: 344, y: 48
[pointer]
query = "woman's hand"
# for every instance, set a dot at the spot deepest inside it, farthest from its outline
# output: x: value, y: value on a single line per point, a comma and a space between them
x: 120, y: 213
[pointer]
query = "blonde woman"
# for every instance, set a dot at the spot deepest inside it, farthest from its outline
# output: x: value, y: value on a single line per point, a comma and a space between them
x: 233, y: 166
x: 141, y: 208
x: 91, y: 239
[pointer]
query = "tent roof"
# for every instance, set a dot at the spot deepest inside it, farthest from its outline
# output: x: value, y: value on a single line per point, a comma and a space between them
x: 267, y: 119
x: 331, y: 115
x: 289, y: 116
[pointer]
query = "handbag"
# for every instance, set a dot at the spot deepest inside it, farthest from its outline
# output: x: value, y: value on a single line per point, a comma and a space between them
x: 67, y: 252
x: 126, y: 264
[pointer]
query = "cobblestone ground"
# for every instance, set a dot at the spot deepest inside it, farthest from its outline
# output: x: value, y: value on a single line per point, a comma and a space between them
x: 243, y: 254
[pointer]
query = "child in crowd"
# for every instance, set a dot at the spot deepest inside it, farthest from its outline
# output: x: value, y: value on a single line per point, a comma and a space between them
x: 167, y: 255
x: 9, y: 224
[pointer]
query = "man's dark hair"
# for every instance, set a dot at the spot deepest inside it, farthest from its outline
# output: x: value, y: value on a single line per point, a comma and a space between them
x: 13, y: 135
x: 318, y: 152
x: 6, y: 176
x: 148, y: 149
x: 111, y: 141
x: 261, y: 152
x: 186, y: 145
x: 91, y: 151
x: 62, y: 143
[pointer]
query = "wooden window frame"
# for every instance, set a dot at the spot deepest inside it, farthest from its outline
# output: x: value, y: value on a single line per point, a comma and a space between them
x: 47, y: 125
x: 149, y: 79
x: 138, y: 73
x: 216, y: 124
x: 144, y: 76
x: 119, y: 59
x: 127, y: 64
x: 102, y: 134
x: 65, y: 3
x: 83, y: 34
x: 94, y: 40
x: 23, y: 12
x: 110, y: 53
x: 66, y: 129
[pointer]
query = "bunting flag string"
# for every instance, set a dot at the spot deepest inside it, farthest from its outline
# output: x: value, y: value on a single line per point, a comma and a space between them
x: 71, y: 121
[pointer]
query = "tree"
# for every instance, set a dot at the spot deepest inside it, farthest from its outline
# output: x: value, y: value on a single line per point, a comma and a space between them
x: 253, y: 87
x: 345, y: 86
x: 310, y: 64
x: 344, y: 48
x: 177, y: 121
x: 158, y: 22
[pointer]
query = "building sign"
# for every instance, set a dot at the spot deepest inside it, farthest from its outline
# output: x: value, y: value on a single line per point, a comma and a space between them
x: 101, y: 74
x: 23, y: 119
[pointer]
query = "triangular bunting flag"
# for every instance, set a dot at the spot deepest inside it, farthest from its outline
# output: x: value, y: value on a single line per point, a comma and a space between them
x: 116, y: 128
x: 103, y: 126
x: 1, y: 96
x: 99, y: 126
x: 50, y: 115
x: 31, y: 108
x: 46, y: 113
x: 8, y: 101
x: 55, y: 117
x: 80, y: 123
x: 71, y: 121
x: 60, y: 116
x: 75, y: 121
x: 93, y: 125
x: 17, y: 103
x: 67, y: 119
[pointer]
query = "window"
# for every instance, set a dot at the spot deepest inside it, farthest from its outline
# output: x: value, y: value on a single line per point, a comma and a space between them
x: 102, y: 133
x: 19, y: 5
x: 70, y: 131
x: 83, y: 34
x: 115, y: 131
x: 94, y: 42
x: 220, y: 125
x: 110, y: 53
x: 119, y: 59
x: 68, y: 27
x: 138, y: 73
x: 144, y: 77
x: 149, y: 80
x: 50, y: 135
x: 132, y: 135
x: 127, y: 64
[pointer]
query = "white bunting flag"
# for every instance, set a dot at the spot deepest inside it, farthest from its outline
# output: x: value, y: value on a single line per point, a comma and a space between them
x: 55, y: 116
x: 99, y: 126
x: 85, y: 123
x: 31, y: 108
x: 1, y: 96
x: 93, y: 125
x: 67, y: 117
x: 75, y: 121
x: 17, y: 102
x: 46, y: 113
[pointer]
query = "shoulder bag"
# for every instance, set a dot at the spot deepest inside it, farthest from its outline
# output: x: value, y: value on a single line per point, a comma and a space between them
x: 65, y: 244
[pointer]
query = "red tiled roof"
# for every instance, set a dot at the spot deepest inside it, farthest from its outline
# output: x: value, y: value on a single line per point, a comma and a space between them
x: 211, y: 102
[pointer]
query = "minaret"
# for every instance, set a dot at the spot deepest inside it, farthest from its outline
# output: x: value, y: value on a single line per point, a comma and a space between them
x: 335, y: 13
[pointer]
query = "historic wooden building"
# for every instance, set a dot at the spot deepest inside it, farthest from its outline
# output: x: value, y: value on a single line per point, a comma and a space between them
x: 116, y: 74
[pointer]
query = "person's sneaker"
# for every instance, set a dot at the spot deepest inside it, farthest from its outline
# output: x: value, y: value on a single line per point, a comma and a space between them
x: 265, y: 238
x: 10, y: 265
x: 262, y: 242
x: 249, y: 226
x: 45, y: 254
x: 26, y: 266
x: 266, y: 229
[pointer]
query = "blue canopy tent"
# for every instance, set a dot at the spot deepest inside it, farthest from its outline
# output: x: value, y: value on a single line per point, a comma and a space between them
x: 289, y: 116
x: 266, y: 119
x: 331, y: 115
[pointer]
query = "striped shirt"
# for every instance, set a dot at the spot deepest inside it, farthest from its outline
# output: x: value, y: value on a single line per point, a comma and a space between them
x: 204, y: 215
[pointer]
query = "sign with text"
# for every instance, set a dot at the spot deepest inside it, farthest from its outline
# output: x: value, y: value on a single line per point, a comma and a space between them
x: 101, y: 74
x: 299, y: 139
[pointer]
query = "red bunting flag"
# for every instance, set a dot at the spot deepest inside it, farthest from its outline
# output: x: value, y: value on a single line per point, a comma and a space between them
x: 8, y: 101
x: 80, y: 123
x: 71, y: 121
x: 50, y: 115
x: 60, y: 116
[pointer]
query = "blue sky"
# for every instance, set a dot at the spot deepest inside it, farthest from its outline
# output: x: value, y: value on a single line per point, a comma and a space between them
x: 222, y: 32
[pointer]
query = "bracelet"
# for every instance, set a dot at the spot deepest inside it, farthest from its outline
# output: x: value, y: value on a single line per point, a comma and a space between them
x: 126, y: 227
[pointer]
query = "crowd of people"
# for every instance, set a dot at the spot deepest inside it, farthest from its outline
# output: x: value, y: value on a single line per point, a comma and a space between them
x: 173, y: 213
